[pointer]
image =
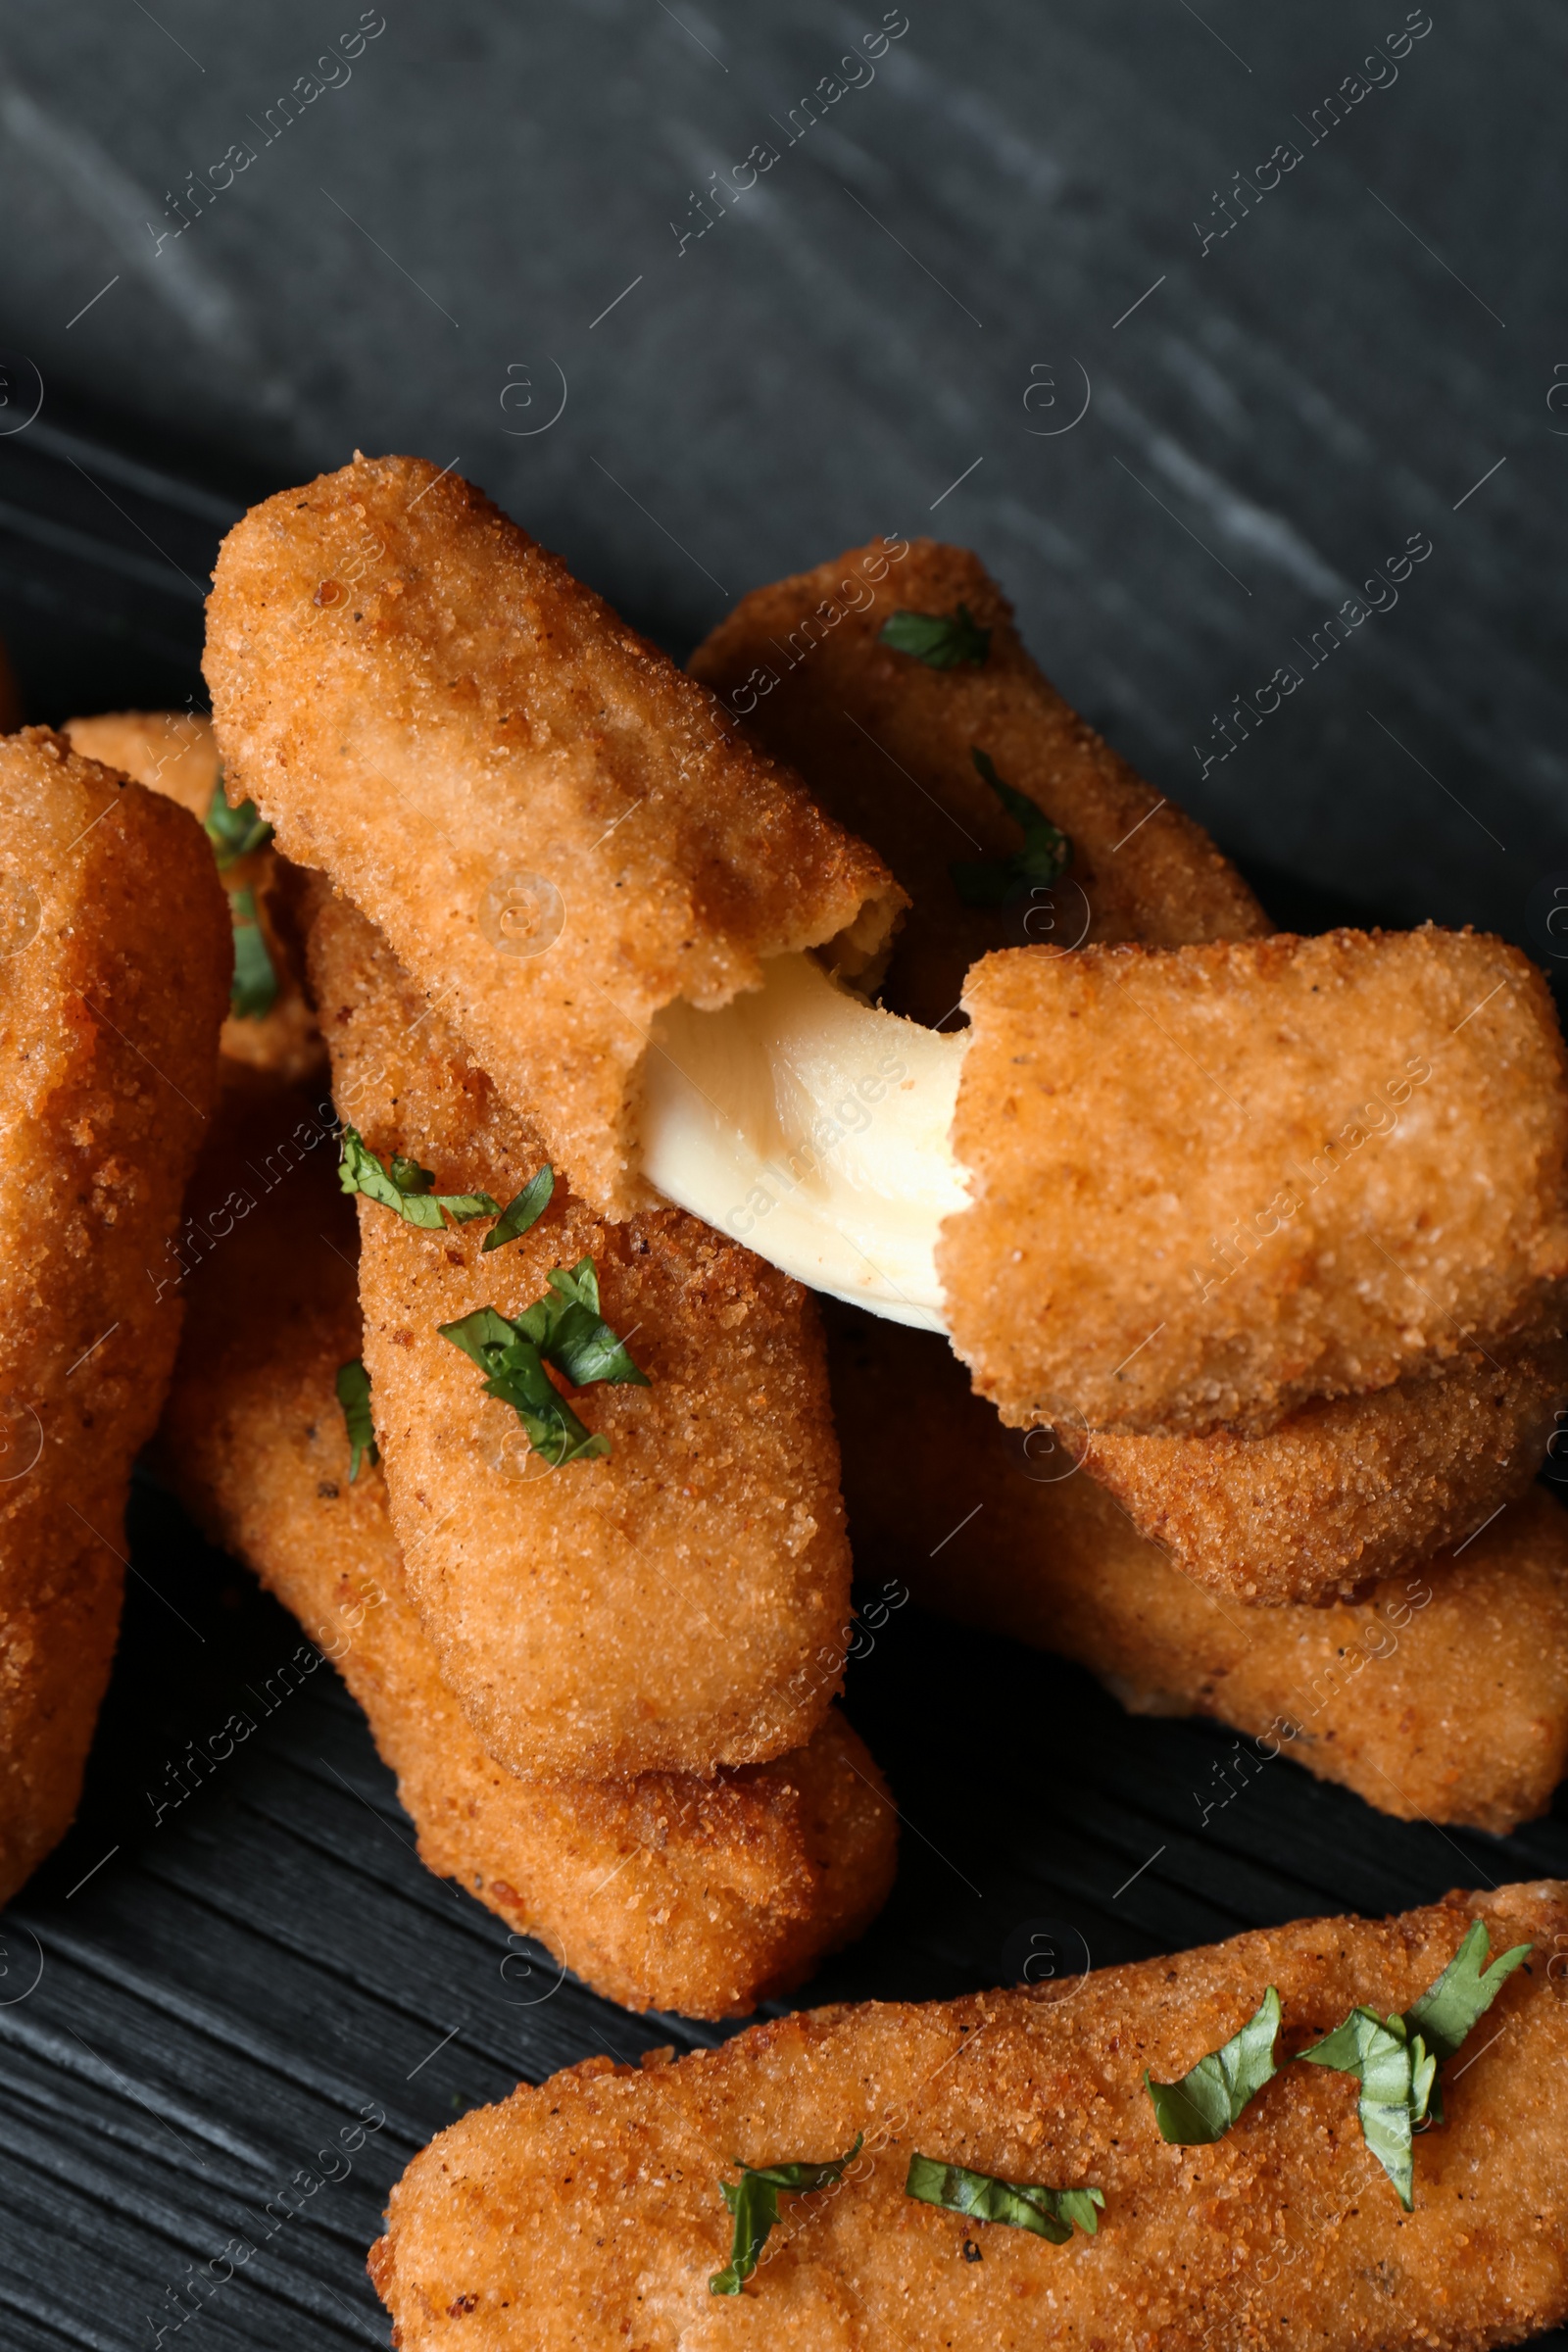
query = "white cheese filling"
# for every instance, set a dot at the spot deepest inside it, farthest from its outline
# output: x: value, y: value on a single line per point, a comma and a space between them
x: 814, y: 1128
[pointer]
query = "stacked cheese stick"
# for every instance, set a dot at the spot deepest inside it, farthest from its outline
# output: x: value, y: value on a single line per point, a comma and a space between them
x: 1365, y: 1578
x: 113, y: 973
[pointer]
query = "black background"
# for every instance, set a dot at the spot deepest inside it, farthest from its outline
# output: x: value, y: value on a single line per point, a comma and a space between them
x: 421, y: 261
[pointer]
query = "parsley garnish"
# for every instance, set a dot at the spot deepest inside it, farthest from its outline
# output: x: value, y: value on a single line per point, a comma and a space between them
x: 1043, y: 858
x: 407, y: 1188
x: 1396, y: 2058
x: 233, y: 832
x: 940, y: 640
x: 354, y: 1396
x: 526, y: 1210
x: 1202, y: 2106
x: 1025, y: 2204
x: 566, y: 1329
x: 253, y: 990
x: 754, y: 2202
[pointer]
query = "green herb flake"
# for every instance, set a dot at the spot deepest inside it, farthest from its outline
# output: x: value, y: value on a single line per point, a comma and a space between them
x: 233, y: 832
x: 253, y: 990
x: 1396, y: 2058
x: 1023, y: 2204
x: 1043, y: 858
x: 752, y: 2200
x: 354, y: 1396
x: 564, y: 1328
x: 526, y: 1210
x: 1202, y: 2106
x: 940, y: 640
x: 406, y: 1188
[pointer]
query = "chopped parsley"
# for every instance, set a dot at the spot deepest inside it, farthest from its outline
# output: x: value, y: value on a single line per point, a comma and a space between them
x: 940, y: 640
x: 1202, y: 2106
x: 1396, y: 2059
x: 354, y: 1396
x: 253, y: 990
x: 752, y: 2200
x: 1043, y: 858
x: 566, y: 1329
x: 406, y: 1187
x: 526, y: 1210
x: 1048, y: 2212
x: 233, y: 832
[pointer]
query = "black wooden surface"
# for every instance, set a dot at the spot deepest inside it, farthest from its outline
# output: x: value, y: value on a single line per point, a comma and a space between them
x: 191, y: 2009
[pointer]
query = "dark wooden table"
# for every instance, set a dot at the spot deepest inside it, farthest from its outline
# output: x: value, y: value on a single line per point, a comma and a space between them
x: 889, y: 332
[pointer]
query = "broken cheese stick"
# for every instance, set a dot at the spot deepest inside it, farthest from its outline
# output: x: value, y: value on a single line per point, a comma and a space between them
x: 587, y: 2211
x: 114, y: 972
x: 887, y: 745
x: 667, y: 1608
x: 176, y: 753
x: 557, y: 831
x: 1440, y: 1693
x: 697, y: 1894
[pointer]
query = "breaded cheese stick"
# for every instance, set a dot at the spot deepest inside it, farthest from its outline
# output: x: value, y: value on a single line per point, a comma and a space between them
x: 557, y: 831
x: 270, y: 1025
x: 666, y: 1607
x: 682, y: 1892
x: 114, y: 970
x: 886, y: 742
x: 1210, y: 1184
x: 1440, y: 1694
x: 587, y: 2212
x: 1338, y: 1493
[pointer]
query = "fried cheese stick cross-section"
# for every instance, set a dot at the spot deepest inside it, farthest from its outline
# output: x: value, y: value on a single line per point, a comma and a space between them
x: 176, y: 753
x: 1211, y: 1184
x: 678, y: 1893
x: 1442, y: 1695
x: 587, y: 2211
x: 114, y: 973
x: 675, y: 1606
x: 557, y: 831
x: 887, y: 743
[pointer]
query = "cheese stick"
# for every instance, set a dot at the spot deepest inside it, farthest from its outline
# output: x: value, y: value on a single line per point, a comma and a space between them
x: 587, y: 2212
x: 676, y: 1605
x: 269, y: 1024
x: 1340, y: 1493
x: 557, y: 830
x: 669, y: 1892
x: 1214, y: 1183
x: 1440, y: 1694
x: 114, y: 970
x: 887, y: 743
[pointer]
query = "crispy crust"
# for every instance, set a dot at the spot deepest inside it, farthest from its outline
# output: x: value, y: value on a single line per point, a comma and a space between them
x: 108, y: 1023
x: 700, y: 1895
x: 1137, y: 1124
x: 587, y: 2212
x: 1440, y: 1695
x: 426, y: 704
x: 176, y: 753
x: 1345, y: 1491
x: 885, y: 744
x: 676, y: 1605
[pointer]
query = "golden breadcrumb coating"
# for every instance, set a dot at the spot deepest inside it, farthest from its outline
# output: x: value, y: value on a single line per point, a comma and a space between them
x: 669, y: 1892
x: 176, y: 753
x: 887, y: 743
x: 1211, y: 1183
x: 114, y: 973
x: 1440, y: 1694
x: 678, y: 1604
x: 557, y: 830
x: 587, y: 2213
x: 1346, y: 1491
